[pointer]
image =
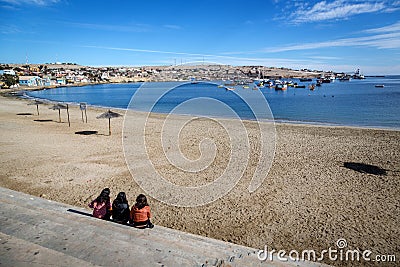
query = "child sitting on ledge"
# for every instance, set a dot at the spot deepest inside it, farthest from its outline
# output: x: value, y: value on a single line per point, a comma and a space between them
x: 140, y: 213
x: 120, y: 209
x: 101, y: 205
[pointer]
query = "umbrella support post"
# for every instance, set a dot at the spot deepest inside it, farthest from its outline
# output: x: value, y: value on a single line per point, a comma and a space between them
x: 69, y: 123
x: 85, y: 115
x: 59, y: 115
x: 109, y: 126
x: 37, y: 108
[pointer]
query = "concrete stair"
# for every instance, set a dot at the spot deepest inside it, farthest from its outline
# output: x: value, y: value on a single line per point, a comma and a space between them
x: 39, y: 232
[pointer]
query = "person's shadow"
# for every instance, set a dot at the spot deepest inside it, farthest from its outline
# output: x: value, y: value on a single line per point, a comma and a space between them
x: 364, y: 168
x: 90, y: 215
x: 86, y: 132
x: 42, y: 120
x: 80, y: 212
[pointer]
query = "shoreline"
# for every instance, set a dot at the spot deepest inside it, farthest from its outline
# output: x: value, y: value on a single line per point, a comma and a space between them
x: 309, y: 199
x: 276, y: 121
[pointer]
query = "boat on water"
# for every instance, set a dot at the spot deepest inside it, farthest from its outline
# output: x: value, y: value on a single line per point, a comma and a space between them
x: 357, y: 75
x: 230, y: 84
x: 229, y: 88
x: 311, y: 87
x: 246, y: 87
x: 221, y: 86
x: 379, y: 85
x: 344, y: 78
x: 299, y: 86
x: 305, y: 79
x: 281, y: 87
x: 290, y: 83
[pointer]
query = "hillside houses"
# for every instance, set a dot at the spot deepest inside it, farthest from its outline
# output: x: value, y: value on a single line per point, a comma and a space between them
x: 35, y: 75
x: 62, y: 74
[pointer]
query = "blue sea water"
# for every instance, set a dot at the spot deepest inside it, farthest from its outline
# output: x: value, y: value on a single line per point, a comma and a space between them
x: 351, y: 103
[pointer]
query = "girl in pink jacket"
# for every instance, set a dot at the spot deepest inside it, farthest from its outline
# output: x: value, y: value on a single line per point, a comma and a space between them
x: 101, y: 205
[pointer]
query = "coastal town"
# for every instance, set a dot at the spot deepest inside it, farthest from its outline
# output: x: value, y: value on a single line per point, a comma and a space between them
x: 70, y: 74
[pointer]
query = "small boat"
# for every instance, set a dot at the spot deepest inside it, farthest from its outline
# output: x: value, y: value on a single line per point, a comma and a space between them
x: 305, y: 79
x: 344, y: 79
x: 281, y: 87
x: 299, y: 86
x: 221, y: 86
x: 246, y: 87
x: 229, y: 88
x: 290, y: 84
x: 357, y: 75
x: 379, y: 85
x: 230, y: 84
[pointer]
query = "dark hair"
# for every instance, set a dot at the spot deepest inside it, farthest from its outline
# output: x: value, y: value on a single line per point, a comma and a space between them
x: 141, y: 201
x: 104, y: 196
x: 106, y: 191
x: 121, y: 198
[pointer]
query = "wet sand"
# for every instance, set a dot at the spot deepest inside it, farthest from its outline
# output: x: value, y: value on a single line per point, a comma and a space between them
x: 317, y: 191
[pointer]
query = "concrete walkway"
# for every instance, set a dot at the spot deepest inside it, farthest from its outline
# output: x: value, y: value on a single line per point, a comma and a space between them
x: 38, y: 232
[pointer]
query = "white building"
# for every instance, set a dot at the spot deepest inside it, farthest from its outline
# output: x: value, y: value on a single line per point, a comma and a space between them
x: 10, y: 72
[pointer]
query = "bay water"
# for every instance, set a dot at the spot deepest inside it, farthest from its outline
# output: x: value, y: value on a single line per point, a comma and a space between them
x: 349, y: 103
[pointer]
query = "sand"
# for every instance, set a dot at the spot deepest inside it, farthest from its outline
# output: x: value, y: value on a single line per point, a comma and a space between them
x: 308, y: 201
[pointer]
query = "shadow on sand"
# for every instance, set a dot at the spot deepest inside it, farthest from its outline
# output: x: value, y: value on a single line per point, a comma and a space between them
x: 86, y: 132
x: 24, y: 114
x: 38, y: 120
x: 364, y: 168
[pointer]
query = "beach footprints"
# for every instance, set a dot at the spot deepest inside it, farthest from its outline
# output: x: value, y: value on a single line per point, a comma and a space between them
x: 194, y: 159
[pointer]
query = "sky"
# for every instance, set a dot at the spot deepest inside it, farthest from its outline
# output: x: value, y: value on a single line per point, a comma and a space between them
x: 331, y: 35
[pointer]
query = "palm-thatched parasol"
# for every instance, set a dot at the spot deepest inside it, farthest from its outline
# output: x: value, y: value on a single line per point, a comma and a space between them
x: 59, y: 107
x: 37, y: 103
x: 109, y: 115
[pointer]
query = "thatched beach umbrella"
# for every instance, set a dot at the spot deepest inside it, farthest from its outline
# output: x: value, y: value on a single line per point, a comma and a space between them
x: 109, y: 115
x: 37, y: 103
x: 59, y: 107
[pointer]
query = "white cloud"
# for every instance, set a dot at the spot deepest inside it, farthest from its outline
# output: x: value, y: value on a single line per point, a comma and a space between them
x: 109, y: 27
x: 325, y: 57
x: 137, y: 27
x: 338, y: 9
x: 391, y: 28
x: 172, y: 27
x: 387, y: 37
x: 267, y: 61
x: 30, y: 2
x: 9, y: 29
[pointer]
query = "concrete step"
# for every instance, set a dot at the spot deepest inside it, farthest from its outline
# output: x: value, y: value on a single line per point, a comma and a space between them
x: 29, y: 222
x: 35, y: 231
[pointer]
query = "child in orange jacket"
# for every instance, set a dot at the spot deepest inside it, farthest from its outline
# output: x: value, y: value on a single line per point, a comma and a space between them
x: 140, y: 213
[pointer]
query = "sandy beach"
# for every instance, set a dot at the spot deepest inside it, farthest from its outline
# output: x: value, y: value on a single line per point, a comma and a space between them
x: 309, y: 200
